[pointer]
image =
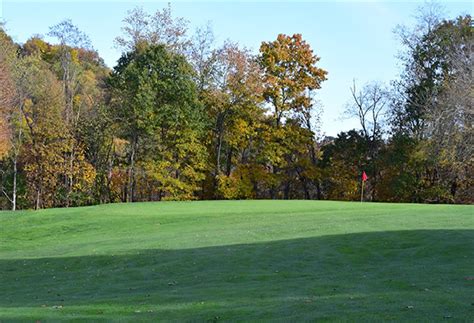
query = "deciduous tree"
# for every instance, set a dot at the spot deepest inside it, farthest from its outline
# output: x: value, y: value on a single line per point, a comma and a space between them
x: 290, y: 76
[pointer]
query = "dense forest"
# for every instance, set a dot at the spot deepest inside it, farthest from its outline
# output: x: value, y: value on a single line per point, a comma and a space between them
x: 181, y: 118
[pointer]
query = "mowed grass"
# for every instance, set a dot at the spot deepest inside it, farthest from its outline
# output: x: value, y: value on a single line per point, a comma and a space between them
x: 239, y: 261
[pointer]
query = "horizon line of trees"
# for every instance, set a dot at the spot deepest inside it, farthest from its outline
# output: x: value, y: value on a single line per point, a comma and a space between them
x: 179, y: 118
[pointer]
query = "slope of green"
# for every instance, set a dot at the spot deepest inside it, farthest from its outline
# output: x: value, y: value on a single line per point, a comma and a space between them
x: 239, y: 260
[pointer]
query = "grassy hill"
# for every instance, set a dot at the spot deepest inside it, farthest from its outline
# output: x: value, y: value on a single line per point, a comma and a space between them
x: 239, y: 260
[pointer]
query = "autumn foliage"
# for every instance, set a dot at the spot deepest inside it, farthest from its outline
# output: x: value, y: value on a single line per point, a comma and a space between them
x: 179, y: 118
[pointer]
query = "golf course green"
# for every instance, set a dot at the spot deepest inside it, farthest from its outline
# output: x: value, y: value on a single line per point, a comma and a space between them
x: 239, y: 261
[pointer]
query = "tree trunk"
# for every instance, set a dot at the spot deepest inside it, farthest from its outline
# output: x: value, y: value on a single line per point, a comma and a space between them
x: 70, y: 177
x: 307, y: 195
x: 15, y: 172
x: 274, y: 189
x: 318, y: 190
x: 229, y: 162
x: 131, y: 171
x: 220, y: 130
x: 38, y: 199
x: 218, y: 155
x: 286, y: 191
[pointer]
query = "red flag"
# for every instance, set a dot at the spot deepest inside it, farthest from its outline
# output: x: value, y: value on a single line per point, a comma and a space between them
x: 364, y: 176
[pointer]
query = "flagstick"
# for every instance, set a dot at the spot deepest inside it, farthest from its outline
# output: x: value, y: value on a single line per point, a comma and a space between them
x: 362, y: 193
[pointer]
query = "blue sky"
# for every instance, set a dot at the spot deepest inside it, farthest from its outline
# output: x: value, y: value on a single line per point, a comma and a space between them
x: 355, y: 40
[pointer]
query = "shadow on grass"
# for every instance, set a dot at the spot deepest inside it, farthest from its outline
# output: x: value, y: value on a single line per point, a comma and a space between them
x: 378, y: 275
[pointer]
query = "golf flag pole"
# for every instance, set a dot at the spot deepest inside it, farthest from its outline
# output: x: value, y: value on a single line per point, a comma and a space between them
x: 364, y: 179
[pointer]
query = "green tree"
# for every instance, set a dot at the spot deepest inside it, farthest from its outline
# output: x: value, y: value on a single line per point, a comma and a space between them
x: 343, y: 158
x: 154, y: 99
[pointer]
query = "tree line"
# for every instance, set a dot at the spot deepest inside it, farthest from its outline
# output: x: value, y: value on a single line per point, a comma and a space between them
x: 181, y: 118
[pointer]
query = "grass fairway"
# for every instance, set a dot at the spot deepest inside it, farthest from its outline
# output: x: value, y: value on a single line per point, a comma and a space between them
x: 239, y: 261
